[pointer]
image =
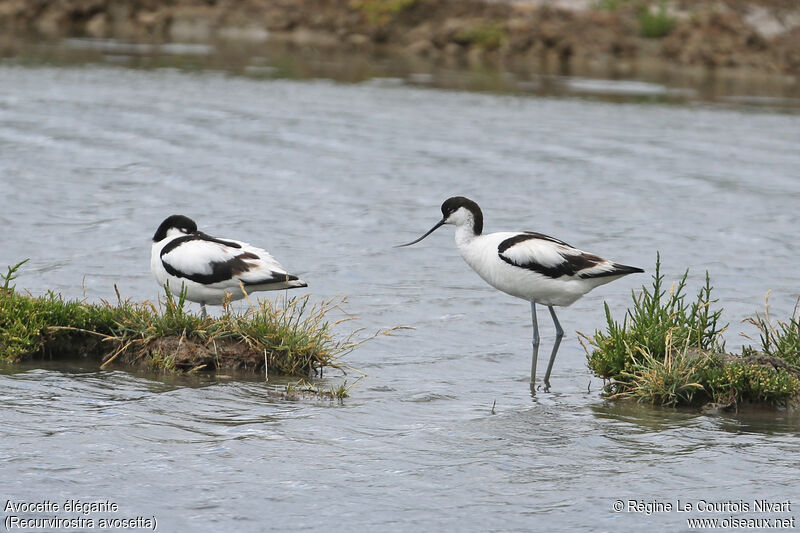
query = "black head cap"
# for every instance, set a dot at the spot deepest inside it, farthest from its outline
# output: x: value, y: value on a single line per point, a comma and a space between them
x: 451, y: 205
x: 180, y: 222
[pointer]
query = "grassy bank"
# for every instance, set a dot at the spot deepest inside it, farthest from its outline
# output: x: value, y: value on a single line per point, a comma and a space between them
x: 669, y: 350
x: 295, y: 339
x: 609, y: 37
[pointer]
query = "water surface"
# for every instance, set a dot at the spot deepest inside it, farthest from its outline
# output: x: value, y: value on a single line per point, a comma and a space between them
x: 328, y: 177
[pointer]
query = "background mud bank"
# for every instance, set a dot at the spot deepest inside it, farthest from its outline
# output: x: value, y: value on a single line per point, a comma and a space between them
x: 621, y: 37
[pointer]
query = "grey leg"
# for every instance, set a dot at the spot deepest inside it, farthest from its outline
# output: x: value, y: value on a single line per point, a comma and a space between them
x: 535, y: 343
x: 203, y: 310
x: 559, y: 334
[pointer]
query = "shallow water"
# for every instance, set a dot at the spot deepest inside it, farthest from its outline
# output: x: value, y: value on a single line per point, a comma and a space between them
x: 328, y: 177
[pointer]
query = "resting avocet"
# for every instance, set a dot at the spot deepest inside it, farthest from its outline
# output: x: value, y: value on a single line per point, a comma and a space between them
x: 211, y: 270
x: 528, y: 265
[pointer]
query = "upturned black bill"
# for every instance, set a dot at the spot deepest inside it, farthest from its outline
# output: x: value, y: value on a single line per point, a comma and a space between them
x: 438, y: 224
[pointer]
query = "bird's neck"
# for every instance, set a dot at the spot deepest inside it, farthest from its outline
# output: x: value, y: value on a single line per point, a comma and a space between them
x: 465, y: 233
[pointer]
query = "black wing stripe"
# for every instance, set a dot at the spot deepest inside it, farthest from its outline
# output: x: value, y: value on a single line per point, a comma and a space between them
x: 276, y: 278
x: 527, y: 236
x: 199, y: 236
x: 569, y: 267
x: 220, y: 270
x: 617, y: 270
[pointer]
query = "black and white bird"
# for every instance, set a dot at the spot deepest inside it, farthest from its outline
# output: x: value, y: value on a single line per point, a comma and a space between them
x: 528, y: 265
x: 212, y: 270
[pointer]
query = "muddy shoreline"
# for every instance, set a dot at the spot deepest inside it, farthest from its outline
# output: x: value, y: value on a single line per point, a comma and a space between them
x: 616, y: 38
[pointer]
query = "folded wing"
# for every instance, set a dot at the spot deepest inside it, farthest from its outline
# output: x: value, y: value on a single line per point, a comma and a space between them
x: 554, y: 258
x: 213, y: 261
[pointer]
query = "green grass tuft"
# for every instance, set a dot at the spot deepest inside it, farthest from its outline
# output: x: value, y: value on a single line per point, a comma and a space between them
x: 670, y: 381
x: 669, y: 351
x: 488, y: 36
x: 295, y: 339
x: 782, y: 339
x: 660, y: 321
x: 303, y: 388
x: 382, y: 12
x: 655, y: 24
x: 609, y: 5
x: 741, y: 381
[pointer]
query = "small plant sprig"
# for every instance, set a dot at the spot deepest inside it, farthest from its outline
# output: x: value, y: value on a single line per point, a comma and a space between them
x: 382, y: 12
x: 655, y: 24
x: 609, y: 5
x: 488, y: 36
x: 305, y: 388
x: 781, y: 339
x: 11, y: 275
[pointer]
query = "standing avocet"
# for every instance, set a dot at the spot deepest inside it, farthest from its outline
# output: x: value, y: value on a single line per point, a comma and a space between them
x: 528, y: 265
x: 212, y: 270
